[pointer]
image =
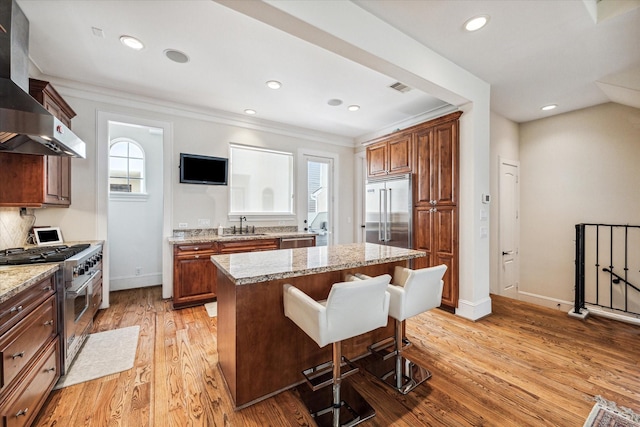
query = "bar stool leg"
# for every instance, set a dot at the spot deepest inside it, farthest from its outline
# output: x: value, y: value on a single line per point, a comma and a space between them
x: 337, y: 359
x: 388, y: 363
x: 339, y: 405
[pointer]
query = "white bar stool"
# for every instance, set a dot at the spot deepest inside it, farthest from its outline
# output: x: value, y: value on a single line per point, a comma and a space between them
x: 412, y: 292
x: 352, y: 308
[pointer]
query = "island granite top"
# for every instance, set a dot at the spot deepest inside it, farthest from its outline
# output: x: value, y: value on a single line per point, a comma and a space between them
x: 254, y: 267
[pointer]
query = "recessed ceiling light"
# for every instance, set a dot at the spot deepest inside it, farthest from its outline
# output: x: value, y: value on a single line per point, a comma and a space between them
x: 549, y: 107
x: 249, y: 111
x: 334, y: 102
x: 131, y: 42
x: 176, y: 56
x: 353, y: 107
x: 475, y: 23
x: 274, y: 84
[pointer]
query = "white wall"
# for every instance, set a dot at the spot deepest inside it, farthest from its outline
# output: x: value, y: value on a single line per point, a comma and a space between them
x: 581, y: 166
x: 504, y: 144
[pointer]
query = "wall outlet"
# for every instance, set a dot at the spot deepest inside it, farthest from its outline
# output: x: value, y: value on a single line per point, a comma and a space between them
x: 138, y: 270
x: 183, y: 225
x: 204, y: 222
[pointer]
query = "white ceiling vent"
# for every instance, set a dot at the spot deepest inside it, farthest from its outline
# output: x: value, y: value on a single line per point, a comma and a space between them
x: 402, y: 88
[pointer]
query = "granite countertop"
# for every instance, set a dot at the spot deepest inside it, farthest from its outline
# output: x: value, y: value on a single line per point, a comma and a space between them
x: 255, y: 267
x: 14, y: 279
x: 176, y: 240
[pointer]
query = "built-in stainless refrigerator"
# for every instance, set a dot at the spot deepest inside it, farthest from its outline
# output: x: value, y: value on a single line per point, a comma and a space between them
x: 388, y: 211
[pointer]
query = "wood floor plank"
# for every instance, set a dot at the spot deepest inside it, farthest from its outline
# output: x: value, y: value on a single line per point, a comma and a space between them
x: 524, y: 365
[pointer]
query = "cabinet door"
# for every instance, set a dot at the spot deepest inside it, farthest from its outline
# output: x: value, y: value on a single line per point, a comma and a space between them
x: 424, y: 175
x: 437, y: 165
x: 400, y: 155
x: 436, y: 233
x: 445, y: 250
x: 377, y: 159
x: 444, y: 148
x: 194, y: 279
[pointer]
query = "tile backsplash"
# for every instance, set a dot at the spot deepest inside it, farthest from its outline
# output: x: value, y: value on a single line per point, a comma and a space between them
x: 14, y: 229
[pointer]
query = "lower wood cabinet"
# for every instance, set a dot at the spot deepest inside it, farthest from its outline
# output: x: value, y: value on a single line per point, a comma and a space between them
x: 436, y: 233
x: 30, y: 352
x: 194, y: 275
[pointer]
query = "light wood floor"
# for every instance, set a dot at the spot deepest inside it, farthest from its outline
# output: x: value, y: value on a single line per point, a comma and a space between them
x: 522, y: 366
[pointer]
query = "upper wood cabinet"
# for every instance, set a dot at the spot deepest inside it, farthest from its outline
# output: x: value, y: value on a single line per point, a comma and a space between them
x: 35, y: 181
x: 58, y: 168
x: 390, y: 156
x: 437, y: 164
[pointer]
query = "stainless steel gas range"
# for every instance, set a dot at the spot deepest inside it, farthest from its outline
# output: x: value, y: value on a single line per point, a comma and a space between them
x: 81, y: 268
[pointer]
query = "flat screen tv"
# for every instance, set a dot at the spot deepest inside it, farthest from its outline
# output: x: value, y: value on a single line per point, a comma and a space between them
x: 196, y: 169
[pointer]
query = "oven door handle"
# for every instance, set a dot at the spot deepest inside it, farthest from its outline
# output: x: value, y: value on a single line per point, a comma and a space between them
x: 79, y: 289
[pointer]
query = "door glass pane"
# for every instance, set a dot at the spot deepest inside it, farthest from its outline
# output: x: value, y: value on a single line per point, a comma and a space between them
x: 318, y: 199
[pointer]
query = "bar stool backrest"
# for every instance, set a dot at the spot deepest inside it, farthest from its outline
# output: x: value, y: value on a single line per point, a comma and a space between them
x: 421, y: 290
x: 354, y: 308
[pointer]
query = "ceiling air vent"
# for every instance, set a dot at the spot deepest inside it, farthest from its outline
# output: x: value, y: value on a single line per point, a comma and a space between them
x: 402, y: 88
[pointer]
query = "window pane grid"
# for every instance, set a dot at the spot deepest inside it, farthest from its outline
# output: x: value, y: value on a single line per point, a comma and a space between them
x: 126, y: 167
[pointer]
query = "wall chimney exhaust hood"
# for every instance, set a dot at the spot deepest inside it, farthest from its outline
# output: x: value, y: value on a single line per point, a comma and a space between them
x: 25, y: 125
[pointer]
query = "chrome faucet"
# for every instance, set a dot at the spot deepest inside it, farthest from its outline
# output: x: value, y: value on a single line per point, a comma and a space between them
x: 242, y: 218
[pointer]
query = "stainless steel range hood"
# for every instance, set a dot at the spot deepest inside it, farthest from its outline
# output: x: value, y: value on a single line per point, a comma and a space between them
x: 25, y: 125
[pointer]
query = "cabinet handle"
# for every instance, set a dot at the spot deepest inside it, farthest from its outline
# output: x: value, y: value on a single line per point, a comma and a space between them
x: 22, y: 412
x: 16, y: 355
x: 50, y: 369
x: 196, y: 256
x: 46, y: 288
x: 48, y: 322
x: 196, y: 248
x: 18, y: 308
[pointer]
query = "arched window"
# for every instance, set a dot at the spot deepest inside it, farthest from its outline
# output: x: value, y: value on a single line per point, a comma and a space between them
x: 126, y: 167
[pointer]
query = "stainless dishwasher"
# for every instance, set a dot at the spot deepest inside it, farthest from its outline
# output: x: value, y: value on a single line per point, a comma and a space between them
x: 297, y: 242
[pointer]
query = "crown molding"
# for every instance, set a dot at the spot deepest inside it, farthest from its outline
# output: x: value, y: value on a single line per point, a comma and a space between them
x: 110, y: 96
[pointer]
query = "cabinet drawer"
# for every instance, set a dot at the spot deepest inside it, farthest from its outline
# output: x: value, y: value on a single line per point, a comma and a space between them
x: 194, y: 248
x: 14, y: 309
x: 248, y: 246
x: 297, y: 242
x: 23, y: 404
x: 22, y: 342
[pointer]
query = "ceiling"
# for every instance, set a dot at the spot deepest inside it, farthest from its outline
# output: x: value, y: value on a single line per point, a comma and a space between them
x: 533, y: 53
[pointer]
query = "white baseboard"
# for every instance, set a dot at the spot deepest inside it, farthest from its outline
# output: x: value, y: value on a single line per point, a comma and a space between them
x: 545, y: 301
x: 132, y: 282
x: 474, y: 310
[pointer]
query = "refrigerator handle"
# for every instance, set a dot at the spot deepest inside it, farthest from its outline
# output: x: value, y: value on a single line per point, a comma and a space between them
x: 385, y: 213
x: 380, y: 216
x: 387, y: 234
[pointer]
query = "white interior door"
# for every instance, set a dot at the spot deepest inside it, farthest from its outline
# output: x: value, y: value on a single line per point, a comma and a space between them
x: 509, y: 228
x: 319, y: 200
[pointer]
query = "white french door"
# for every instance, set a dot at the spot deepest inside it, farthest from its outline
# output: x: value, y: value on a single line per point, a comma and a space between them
x: 318, y: 215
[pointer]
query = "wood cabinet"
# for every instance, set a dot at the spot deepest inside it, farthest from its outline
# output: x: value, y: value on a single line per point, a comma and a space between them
x: 30, y: 349
x: 35, y: 181
x: 430, y: 152
x: 58, y: 168
x: 436, y: 233
x: 194, y: 275
x: 436, y: 192
x: 391, y: 156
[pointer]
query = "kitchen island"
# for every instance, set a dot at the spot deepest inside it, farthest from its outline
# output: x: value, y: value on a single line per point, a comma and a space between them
x: 260, y: 351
